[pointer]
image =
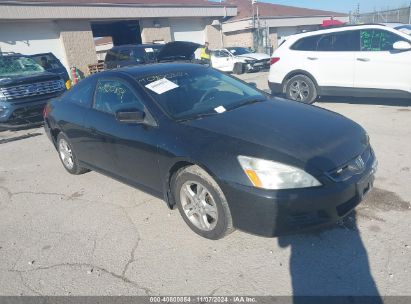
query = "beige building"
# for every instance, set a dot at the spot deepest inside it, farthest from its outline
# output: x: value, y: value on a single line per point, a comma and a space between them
x: 68, y: 28
x: 266, y: 23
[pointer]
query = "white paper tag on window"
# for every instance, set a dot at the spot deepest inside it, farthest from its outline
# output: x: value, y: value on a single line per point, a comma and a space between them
x: 219, y: 109
x: 161, y: 86
x: 149, y: 50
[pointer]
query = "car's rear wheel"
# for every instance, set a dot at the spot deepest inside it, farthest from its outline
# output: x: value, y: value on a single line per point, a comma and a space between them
x: 67, y: 156
x: 201, y: 203
x: 301, y: 88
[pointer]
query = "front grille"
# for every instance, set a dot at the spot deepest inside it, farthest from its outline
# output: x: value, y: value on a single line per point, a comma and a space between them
x: 33, y: 89
x: 353, y: 167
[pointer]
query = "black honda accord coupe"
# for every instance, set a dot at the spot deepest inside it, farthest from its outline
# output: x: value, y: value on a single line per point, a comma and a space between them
x: 226, y: 154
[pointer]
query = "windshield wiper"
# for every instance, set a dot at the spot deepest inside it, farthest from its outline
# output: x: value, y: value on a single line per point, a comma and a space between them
x: 246, y: 102
x: 198, y: 116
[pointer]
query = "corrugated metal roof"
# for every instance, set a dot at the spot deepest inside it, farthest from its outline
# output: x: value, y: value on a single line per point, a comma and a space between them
x: 244, y: 8
x: 127, y: 2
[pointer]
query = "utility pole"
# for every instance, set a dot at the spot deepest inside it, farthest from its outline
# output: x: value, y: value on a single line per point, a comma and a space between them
x: 252, y: 5
x: 253, y: 31
x: 409, y: 18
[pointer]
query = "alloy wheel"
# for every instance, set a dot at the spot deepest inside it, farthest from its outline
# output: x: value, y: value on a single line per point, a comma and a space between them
x: 199, y: 205
x: 299, y: 90
x: 66, y: 154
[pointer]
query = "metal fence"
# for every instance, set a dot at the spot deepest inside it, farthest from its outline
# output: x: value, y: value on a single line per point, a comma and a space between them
x: 400, y: 15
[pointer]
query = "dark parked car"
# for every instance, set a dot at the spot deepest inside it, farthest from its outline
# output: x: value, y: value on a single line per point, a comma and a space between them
x: 52, y: 64
x: 226, y: 154
x: 179, y: 51
x: 129, y: 55
x: 25, y: 88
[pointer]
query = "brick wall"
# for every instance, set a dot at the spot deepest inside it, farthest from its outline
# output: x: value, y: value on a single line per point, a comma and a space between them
x: 155, y: 30
x: 78, y: 44
x: 238, y: 38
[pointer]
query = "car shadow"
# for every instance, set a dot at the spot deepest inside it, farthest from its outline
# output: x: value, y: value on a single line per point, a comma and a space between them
x: 331, y: 262
x: 398, y: 102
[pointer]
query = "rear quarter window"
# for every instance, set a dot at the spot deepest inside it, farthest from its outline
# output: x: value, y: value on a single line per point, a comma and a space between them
x: 306, y: 43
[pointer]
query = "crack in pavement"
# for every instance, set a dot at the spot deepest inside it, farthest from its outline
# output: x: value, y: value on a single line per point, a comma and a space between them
x: 25, y: 284
x: 146, y: 290
x: 131, y: 259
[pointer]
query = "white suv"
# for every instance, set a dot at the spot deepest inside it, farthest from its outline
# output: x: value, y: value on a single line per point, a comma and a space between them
x: 358, y: 61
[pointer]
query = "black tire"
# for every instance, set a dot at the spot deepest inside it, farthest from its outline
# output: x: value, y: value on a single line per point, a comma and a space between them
x: 238, y: 68
x: 75, y: 169
x: 301, y: 88
x: 222, y: 226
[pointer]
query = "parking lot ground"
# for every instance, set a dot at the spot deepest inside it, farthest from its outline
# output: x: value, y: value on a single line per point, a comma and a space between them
x: 90, y: 235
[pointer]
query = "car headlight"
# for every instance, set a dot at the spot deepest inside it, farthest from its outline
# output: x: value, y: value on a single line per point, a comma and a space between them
x: 2, y: 96
x: 272, y: 175
x: 2, y: 108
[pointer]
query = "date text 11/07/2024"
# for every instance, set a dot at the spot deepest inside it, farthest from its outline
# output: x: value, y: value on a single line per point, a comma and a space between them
x: 202, y: 299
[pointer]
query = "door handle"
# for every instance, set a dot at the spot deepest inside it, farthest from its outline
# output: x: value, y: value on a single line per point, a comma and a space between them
x: 363, y: 59
x: 312, y: 58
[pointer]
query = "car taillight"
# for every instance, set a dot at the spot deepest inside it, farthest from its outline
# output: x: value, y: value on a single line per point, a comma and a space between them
x: 46, y: 110
x: 274, y: 60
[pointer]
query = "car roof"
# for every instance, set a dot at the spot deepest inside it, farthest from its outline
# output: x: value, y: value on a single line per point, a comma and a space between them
x: 135, y: 46
x: 154, y: 68
x: 292, y: 38
x: 339, y: 29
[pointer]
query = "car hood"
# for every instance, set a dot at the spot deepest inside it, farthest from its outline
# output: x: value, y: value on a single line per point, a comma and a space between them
x: 257, y: 56
x: 316, y: 138
x: 16, y: 80
x: 177, y: 50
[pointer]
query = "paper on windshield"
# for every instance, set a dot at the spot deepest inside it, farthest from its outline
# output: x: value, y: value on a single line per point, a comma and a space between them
x: 161, y: 86
x: 220, y: 109
x: 149, y: 50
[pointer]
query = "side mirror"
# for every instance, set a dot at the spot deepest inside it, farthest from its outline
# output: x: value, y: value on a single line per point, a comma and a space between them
x: 130, y: 116
x: 402, y: 46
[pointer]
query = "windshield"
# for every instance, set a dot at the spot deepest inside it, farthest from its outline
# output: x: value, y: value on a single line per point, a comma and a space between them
x: 47, y: 61
x: 18, y: 66
x: 239, y: 51
x: 196, y: 92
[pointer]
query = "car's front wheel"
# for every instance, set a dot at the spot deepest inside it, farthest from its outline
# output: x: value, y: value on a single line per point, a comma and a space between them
x: 67, y: 156
x: 201, y: 203
x: 301, y: 88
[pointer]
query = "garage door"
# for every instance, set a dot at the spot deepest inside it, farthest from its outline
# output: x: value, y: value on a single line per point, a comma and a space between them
x: 31, y: 38
x: 188, y: 30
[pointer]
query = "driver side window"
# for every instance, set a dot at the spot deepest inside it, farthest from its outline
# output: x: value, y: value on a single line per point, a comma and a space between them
x: 373, y: 40
x: 113, y: 95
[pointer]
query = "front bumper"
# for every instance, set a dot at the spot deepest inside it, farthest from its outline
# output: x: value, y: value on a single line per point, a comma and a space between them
x: 280, y: 212
x: 21, y: 114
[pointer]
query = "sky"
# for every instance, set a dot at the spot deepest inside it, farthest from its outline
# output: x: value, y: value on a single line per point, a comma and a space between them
x: 344, y: 5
